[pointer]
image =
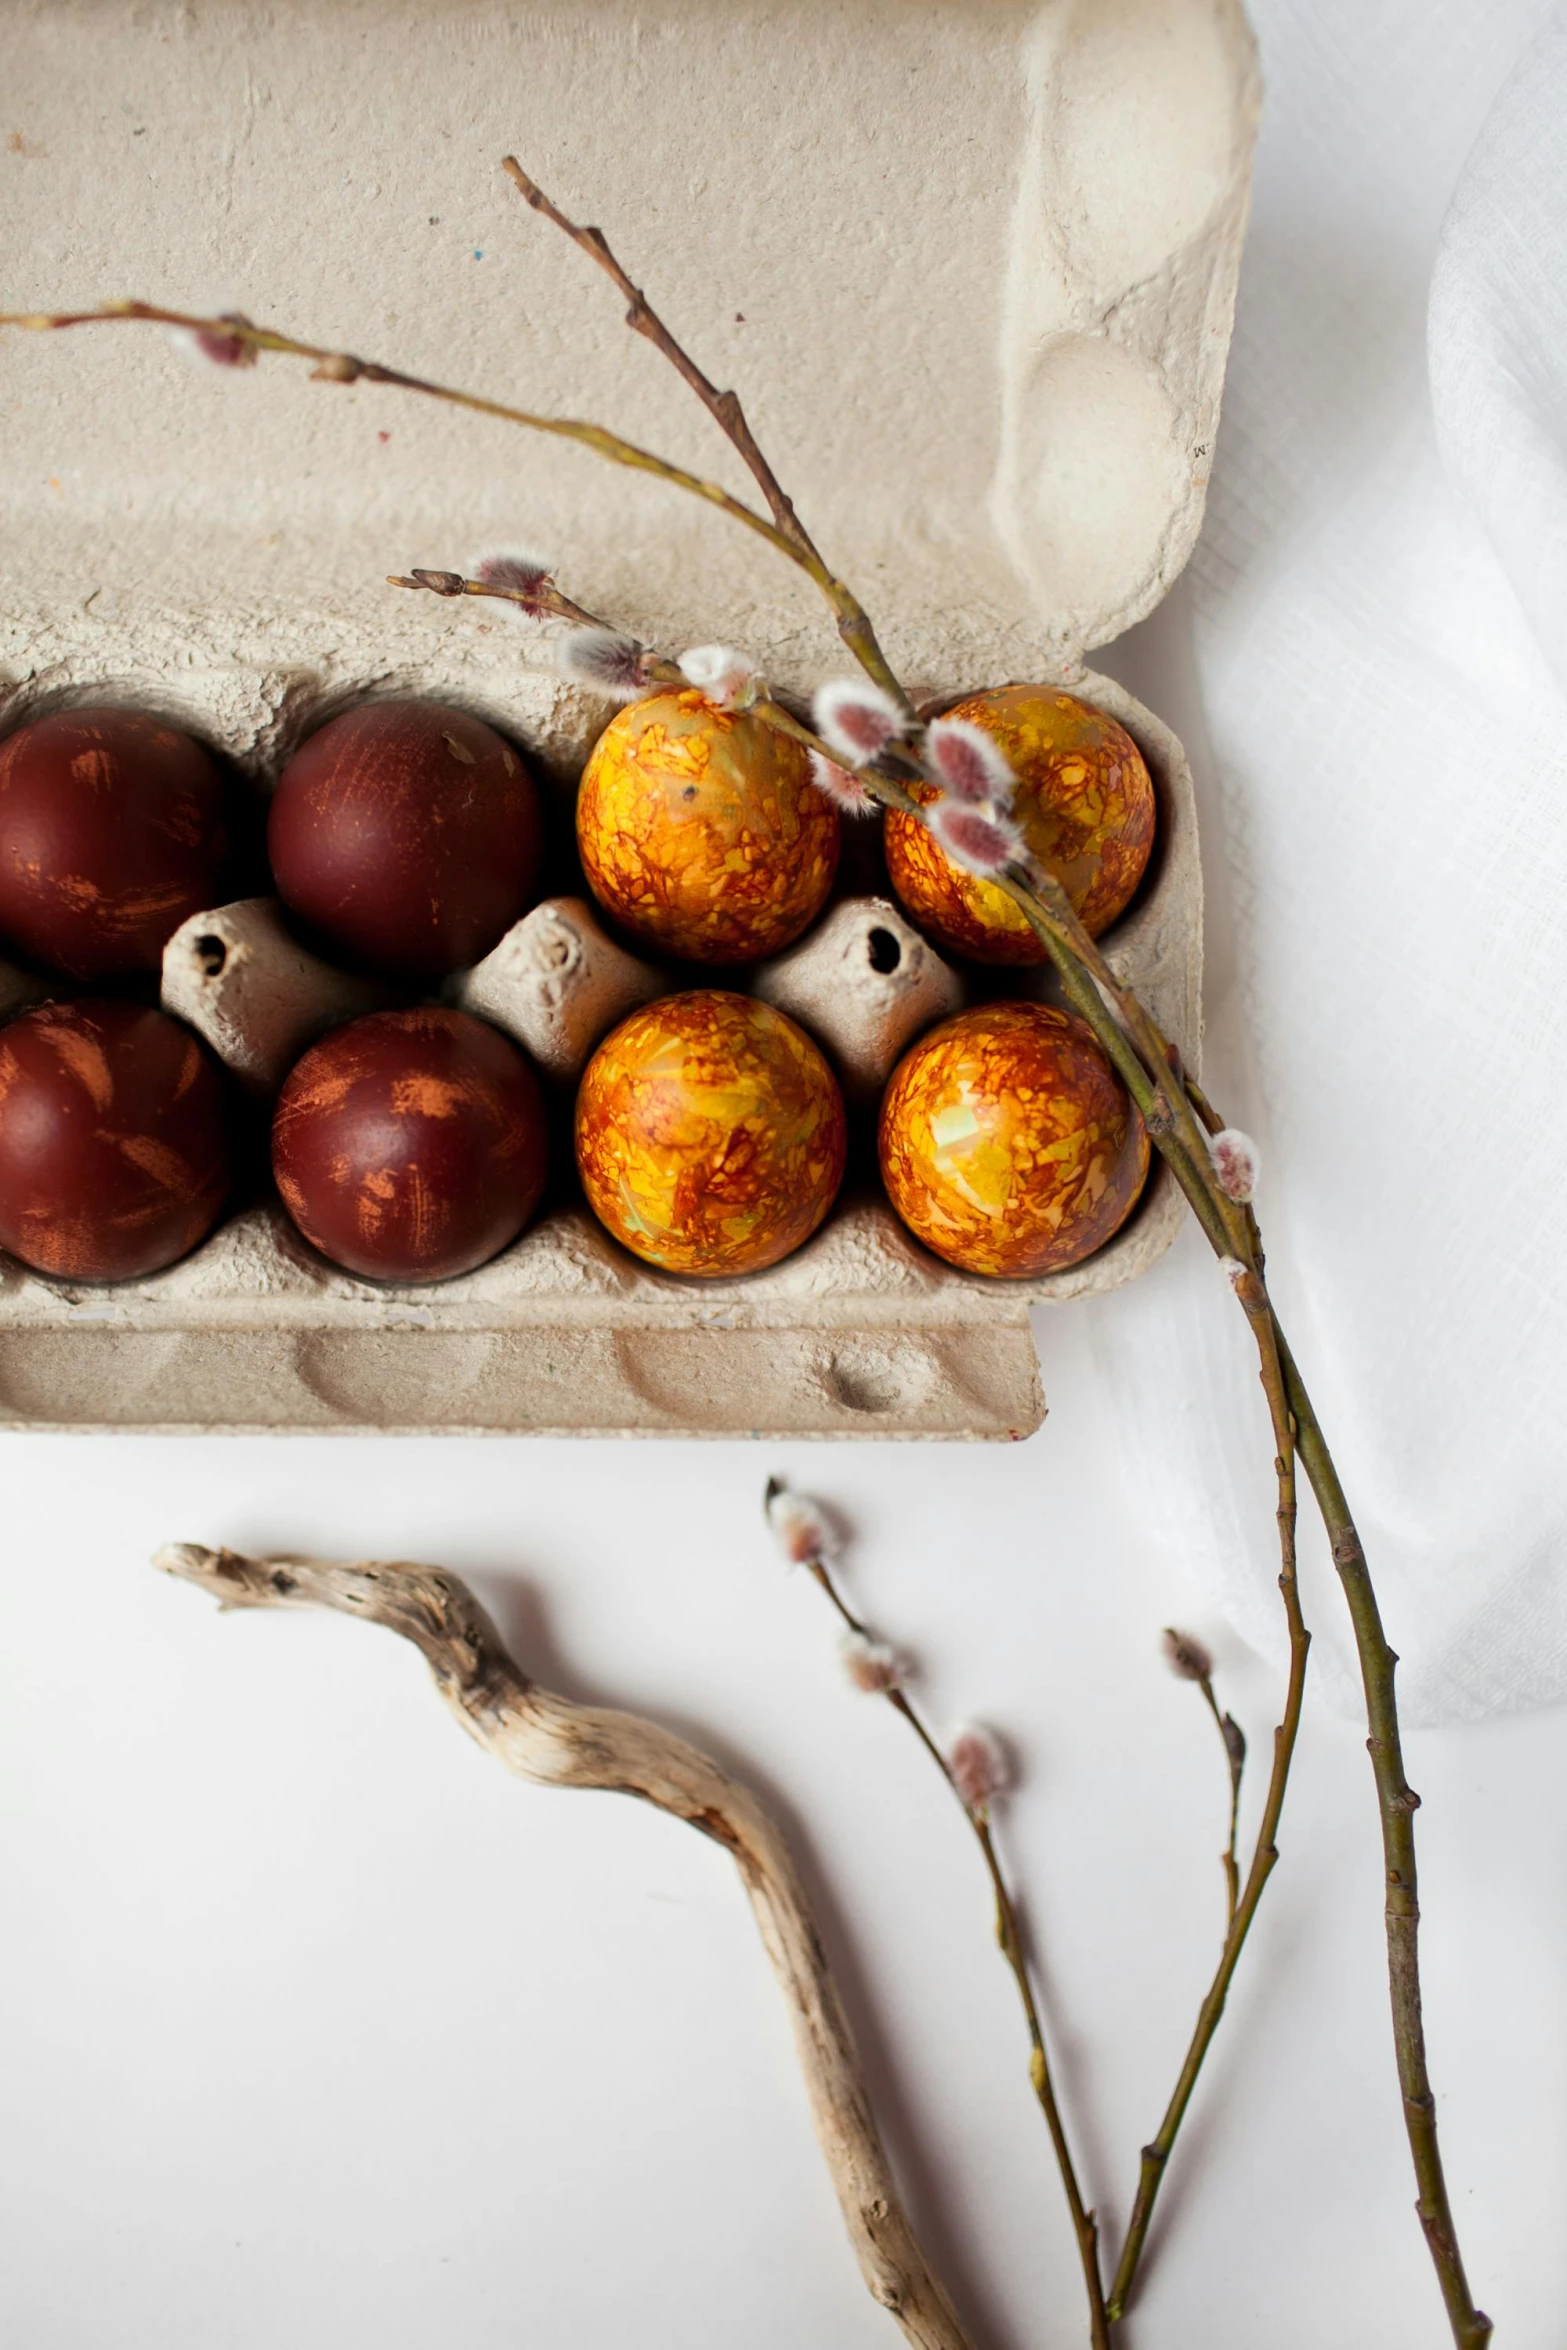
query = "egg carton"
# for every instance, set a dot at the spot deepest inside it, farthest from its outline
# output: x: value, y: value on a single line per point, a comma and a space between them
x: 861, y: 1331
x: 1082, y: 198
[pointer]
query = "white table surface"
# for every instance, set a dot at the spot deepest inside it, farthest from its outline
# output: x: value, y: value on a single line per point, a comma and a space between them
x: 315, y: 2029
x: 318, y: 2029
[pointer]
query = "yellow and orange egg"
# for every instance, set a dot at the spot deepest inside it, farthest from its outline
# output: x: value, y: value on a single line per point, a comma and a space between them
x: 701, y: 832
x: 710, y: 1134
x: 1084, y: 803
x: 1008, y: 1144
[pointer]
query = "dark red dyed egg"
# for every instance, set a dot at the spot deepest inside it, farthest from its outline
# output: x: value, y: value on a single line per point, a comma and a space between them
x: 111, y: 836
x: 407, y: 835
x: 114, y: 1156
x: 411, y: 1146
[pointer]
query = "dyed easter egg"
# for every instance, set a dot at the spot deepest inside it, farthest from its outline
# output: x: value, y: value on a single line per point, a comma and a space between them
x: 111, y: 836
x: 114, y: 1153
x: 710, y: 1134
x: 701, y: 831
x: 407, y: 836
x: 411, y: 1146
x: 1008, y: 1144
x: 1085, y: 803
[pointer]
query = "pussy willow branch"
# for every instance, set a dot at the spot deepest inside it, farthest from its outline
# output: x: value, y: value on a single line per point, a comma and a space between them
x: 1177, y: 1131
x: 1010, y: 1941
x: 1399, y: 1802
x: 1087, y: 981
x: 1131, y: 1038
x: 1179, y: 1118
x: 560, y: 1744
x: 656, y: 668
x: 1235, y: 1234
x: 344, y: 367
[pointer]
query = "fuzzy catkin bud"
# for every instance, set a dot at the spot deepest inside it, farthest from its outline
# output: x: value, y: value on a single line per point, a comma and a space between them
x: 1236, y: 1162
x: 1186, y: 1656
x: 799, y: 1527
x: 221, y: 349
x: 721, y: 675
x: 978, y: 1767
x: 845, y: 790
x: 968, y: 764
x: 872, y: 1667
x: 979, y: 840
x: 525, y: 579
x: 856, y: 719
x: 606, y: 660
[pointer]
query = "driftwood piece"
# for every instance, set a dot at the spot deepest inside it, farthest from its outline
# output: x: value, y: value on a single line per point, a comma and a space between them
x: 557, y: 1743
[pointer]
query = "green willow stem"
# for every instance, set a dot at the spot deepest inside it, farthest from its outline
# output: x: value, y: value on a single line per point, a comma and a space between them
x: 1398, y: 1803
x: 1178, y: 1125
x: 1156, y: 2154
x: 1010, y: 1942
x: 1237, y: 1237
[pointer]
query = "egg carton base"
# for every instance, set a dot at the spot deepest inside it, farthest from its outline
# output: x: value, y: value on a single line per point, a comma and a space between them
x: 965, y: 1382
x: 859, y: 1335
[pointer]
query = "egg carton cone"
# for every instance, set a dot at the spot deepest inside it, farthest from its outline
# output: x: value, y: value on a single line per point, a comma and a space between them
x: 990, y: 375
x: 558, y: 983
x: 866, y: 984
x: 247, y: 987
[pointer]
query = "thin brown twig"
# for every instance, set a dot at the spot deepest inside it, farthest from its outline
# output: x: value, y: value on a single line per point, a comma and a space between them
x: 657, y: 668
x: 345, y: 367
x: 544, y: 601
x: 1233, y: 1741
x: 1156, y: 2154
x: 1009, y: 1939
x: 854, y: 624
x: 1191, y: 1662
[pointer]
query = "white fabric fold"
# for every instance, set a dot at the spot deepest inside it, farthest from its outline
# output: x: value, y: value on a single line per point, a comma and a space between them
x: 1377, y: 622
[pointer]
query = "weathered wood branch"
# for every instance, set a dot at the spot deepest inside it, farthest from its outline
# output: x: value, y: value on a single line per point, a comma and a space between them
x: 560, y: 1744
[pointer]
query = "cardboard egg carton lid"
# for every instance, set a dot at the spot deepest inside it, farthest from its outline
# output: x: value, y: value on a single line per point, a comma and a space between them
x: 974, y: 276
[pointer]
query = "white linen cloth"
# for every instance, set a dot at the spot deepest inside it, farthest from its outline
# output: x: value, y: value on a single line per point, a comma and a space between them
x: 1378, y: 614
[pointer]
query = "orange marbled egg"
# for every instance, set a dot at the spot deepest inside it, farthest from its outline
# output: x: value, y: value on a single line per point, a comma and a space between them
x: 1085, y: 802
x: 1008, y: 1143
x: 700, y: 829
x: 710, y: 1134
